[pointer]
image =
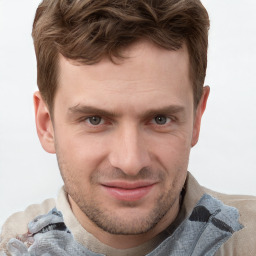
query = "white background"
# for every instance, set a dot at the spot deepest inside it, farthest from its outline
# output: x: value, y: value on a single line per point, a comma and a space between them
x: 225, y: 157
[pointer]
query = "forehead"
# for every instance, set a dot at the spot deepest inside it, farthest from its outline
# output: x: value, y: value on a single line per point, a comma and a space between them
x: 146, y: 71
x: 138, y: 60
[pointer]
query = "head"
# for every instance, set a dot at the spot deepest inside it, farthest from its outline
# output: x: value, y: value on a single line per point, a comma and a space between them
x: 87, y: 31
x: 120, y: 103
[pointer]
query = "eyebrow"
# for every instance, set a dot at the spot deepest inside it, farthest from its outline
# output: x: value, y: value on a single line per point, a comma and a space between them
x: 171, y: 109
x: 86, y: 110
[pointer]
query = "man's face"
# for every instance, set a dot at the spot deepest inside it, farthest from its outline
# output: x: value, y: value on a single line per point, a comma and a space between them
x: 122, y: 134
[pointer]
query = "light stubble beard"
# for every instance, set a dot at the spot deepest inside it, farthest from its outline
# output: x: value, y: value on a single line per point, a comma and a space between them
x: 110, y: 221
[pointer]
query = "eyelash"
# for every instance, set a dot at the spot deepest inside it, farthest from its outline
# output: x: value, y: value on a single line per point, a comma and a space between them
x: 153, y: 120
x: 88, y: 118
x: 106, y: 120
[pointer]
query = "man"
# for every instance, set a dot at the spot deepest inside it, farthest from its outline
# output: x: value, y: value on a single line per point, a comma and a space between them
x: 120, y: 102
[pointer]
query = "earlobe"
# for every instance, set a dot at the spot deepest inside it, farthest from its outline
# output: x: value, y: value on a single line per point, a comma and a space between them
x: 198, y: 115
x: 44, y: 124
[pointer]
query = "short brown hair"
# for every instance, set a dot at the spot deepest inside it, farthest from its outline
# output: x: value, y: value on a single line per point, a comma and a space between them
x: 88, y: 30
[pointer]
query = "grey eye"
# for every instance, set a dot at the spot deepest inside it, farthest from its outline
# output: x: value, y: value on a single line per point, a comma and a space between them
x: 94, y: 120
x: 161, y: 120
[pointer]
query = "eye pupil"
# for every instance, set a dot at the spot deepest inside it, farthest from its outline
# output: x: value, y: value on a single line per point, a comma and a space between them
x: 95, y: 120
x: 161, y: 120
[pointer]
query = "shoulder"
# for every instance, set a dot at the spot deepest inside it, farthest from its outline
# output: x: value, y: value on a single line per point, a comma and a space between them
x: 245, y: 204
x: 17, y: 222
x: 242, y: 242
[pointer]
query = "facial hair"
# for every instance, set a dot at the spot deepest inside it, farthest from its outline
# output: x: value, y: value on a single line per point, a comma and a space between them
x: 110, y: 220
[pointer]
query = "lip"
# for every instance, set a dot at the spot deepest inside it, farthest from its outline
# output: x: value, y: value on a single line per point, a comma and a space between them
x: 131, y: 192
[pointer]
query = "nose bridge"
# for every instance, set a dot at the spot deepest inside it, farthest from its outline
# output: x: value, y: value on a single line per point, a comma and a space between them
x: 130, y: 153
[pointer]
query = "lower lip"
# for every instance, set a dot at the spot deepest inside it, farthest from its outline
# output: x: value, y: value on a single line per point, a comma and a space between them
x: 128, y: 194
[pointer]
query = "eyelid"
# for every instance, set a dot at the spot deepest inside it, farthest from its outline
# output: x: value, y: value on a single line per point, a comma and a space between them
x: 105, y: 120
x: 102, y: 120
x: 171, y: 118
x: 168, y: 120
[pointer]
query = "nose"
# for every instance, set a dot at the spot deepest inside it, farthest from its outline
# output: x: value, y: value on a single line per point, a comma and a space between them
x: 129, y: 151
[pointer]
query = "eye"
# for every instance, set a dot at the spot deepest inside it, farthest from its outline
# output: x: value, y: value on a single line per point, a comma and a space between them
x: 94, y: 120
x: 161, y: 120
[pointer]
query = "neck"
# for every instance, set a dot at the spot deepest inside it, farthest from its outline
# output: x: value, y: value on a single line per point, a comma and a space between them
x: 124, y: 241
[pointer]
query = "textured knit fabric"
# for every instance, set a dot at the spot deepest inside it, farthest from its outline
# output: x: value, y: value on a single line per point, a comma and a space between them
x: 209, y: 222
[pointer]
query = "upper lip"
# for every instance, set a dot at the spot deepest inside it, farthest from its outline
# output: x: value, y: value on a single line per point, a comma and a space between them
x: 128, y: 185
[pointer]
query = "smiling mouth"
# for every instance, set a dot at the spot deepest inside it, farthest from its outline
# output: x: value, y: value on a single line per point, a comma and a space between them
x: 128, y: 192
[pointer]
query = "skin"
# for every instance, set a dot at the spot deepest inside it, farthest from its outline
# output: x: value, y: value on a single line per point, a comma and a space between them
x: 137, y: 146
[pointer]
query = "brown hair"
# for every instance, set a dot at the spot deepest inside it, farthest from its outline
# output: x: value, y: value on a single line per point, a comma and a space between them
x: 88, y: 30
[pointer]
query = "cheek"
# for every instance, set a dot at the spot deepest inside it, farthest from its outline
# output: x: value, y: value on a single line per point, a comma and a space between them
x: 173, y: 151
x: 174, y: 159
x: 78, y: 151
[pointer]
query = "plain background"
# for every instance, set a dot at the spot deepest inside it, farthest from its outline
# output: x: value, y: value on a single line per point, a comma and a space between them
x: 225, y: 157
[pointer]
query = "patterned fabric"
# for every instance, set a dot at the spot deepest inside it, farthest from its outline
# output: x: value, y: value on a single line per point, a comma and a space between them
x: 210, y: 224
x: 47, y: 236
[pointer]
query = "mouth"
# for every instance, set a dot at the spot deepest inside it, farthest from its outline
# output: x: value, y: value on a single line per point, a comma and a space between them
x: 131, y: 192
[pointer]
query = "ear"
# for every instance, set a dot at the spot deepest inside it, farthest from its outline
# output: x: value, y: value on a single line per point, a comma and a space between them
x: 44, y: 124
x: 198, y: 115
